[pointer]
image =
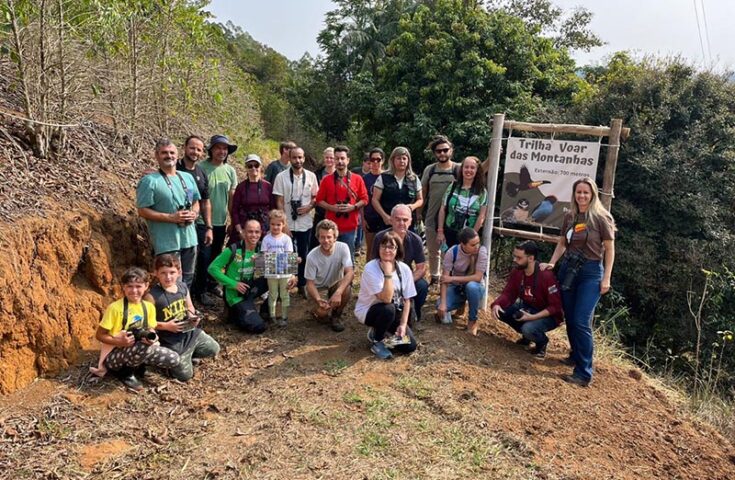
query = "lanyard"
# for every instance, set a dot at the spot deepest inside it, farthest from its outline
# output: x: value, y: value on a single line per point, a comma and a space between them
x: 247, y: 188
x: 171, y: 187
x: 350, y: 192
x: 303, y: 181
x: 125, y: 315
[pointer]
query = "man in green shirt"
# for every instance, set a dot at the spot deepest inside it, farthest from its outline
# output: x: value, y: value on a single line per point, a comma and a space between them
x: 235, y: 270
x: 169, y: 202
x: 222, y: 181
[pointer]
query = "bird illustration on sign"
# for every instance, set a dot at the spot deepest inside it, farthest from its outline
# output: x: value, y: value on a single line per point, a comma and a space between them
x: 526, y: 183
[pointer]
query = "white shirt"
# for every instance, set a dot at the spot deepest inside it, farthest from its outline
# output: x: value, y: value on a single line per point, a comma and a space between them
x: 371, y: 284
x: 304, y: 188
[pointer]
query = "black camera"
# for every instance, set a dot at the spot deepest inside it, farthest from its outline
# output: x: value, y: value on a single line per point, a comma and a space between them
x: 574, y: 260
x: 518, y: 314
x: 460, y: 219
x: 139, y: 334
x: 295, y: 205
x: 343, y: 214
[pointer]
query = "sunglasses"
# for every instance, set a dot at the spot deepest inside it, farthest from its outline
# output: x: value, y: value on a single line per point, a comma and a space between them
x: 375, y: 160
x: 253, y: 165
x: 442, y: 150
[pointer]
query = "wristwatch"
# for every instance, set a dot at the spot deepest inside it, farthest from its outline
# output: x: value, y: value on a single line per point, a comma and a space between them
x: 209, y: 227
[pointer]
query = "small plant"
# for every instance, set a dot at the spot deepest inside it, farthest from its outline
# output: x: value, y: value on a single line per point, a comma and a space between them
x: 335, y: 367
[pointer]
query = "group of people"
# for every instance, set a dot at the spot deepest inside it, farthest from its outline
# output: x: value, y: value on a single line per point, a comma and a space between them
x: 207, y: 229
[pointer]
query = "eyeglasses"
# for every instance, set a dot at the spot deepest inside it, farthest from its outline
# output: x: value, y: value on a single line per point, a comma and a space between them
x: 442, y: 150
x: 388, y: 246
x: 253, y: 165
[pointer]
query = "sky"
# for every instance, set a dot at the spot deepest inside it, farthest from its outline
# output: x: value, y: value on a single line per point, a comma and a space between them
x: 657, y: 27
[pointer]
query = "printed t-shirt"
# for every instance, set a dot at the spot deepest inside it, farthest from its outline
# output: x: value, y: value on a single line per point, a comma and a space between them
x: 587, y: 235
x: 241, y: 269
x: 155, y: 192
x: 465, y: 202
x: 112, y: 320
x: 172, y: 306
x: 222, y: 181
x: 282, y: 244
x: 327, y: 270
x: 372, y: 282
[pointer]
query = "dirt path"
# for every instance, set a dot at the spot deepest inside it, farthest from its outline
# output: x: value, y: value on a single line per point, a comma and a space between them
x: 305, y: 402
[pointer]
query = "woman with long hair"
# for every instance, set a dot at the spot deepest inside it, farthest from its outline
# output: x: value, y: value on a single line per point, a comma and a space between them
x: 464, y: 203
x: 586, y: 249
x: 384, y: 301
x: 398, y: 185
x: 253, y: 199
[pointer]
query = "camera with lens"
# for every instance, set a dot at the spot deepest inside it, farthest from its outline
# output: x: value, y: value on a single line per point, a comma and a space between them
x: 518, y: 314
x: 295, y: 205
x: 574, y: 260
x: 460, y: 219
x: 140, y: 334
x: 342, y: 214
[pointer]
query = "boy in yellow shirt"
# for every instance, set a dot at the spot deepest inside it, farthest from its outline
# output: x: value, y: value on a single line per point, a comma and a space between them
x: 127, y: 334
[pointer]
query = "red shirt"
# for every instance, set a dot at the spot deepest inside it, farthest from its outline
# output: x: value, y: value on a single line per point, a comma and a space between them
x: 333, y: 189
x: 546, y: 293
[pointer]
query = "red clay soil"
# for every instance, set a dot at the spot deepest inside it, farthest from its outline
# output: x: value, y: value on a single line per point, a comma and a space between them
x: 304, y: 402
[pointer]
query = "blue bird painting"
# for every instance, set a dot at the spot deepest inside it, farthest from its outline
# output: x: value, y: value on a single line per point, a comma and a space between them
x: 544, y: 209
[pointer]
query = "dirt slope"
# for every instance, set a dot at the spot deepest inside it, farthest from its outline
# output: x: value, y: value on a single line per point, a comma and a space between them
x: 308, y: 403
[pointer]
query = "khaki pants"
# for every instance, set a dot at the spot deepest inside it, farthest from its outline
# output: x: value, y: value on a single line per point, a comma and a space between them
x: 432, y: 248
x: 323, y: 314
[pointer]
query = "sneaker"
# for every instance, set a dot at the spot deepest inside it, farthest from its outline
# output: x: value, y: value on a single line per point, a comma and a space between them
x: 575, y: 380
x: 132, y: 382
x: 337, y: 324
x: 371, y: 334
x: 380, y: 351
x: 281, y: 322
x: 539, y: 352
x: 446, y: 319
x: 523, y: 341
x: 206, y: 300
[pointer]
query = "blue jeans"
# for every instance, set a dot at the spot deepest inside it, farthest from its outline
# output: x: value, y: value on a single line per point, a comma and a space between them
x: 579, y: 304
x: 534, y: 330
x: 471, y: 292
x: 349, y: 239
x: 359, y: 235
x: 422, y: 290
x: 301, y: 244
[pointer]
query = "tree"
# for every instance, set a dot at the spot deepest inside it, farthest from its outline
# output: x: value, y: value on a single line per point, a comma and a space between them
x: 674, y: 193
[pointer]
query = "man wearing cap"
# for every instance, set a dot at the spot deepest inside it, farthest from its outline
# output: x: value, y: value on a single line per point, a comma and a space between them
x: 274, y: 168
x: 295, y: 190
x: 169, y: 202
x: 222, y: 181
